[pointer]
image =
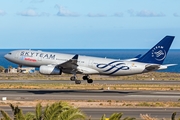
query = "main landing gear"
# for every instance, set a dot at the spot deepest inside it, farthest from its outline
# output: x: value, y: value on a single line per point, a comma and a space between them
x: 74, y: 78
x: 86, y: 77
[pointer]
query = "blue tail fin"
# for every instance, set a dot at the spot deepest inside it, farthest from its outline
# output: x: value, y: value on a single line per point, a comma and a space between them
x: 158, y: 53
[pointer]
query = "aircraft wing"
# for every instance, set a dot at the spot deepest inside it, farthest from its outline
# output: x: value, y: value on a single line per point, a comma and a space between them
x: 70, y: 65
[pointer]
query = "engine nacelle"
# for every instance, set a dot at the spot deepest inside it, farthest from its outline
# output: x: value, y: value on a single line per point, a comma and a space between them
x: 49, y: 70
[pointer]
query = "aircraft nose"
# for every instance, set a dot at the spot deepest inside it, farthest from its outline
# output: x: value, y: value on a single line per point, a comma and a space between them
x: 7, y: 56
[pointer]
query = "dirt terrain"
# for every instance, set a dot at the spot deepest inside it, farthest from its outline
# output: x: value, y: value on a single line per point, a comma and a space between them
x: 37, y: 76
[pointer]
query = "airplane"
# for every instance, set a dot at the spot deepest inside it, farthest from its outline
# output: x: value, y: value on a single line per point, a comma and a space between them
x: 50, y: 63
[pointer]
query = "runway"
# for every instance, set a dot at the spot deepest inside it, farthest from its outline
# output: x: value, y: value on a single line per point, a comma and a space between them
x: 34, y: 94
x: 159, y: 82
x: 96, y: 113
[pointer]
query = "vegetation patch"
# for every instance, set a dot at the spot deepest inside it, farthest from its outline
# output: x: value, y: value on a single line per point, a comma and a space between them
x: 162, y: 87
x: 63, y: 111
x: 38, y: 76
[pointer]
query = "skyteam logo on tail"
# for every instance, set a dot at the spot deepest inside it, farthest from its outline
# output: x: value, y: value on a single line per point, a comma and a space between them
x: 159, y: 53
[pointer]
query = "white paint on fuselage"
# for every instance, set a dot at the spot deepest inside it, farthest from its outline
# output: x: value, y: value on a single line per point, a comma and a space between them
x: 88, y: 64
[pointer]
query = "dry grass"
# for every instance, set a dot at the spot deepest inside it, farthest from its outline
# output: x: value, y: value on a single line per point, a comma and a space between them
x: 37, y: 76
x: 132, y: 86
x: 147, y: 117
x: 96, y: 103
x: 89, y: 86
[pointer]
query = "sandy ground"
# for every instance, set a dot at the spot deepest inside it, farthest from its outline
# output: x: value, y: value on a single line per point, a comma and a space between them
x: 94, y: 104
x: 74, y: 103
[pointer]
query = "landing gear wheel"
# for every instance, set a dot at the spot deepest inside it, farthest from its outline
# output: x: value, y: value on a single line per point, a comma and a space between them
x: 77, y: 82
x: 89, y: 81
x: 85, y: 77
x: 73, y: 78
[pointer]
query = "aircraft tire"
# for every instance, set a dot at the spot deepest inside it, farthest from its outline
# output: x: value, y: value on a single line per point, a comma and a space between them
x: 89, y: 81
x: 77, y: 81
x: 73, y: 78
x: 85, y: 77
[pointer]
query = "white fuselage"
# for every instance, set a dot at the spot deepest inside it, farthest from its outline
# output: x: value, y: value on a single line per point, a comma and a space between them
x: 86, y: 64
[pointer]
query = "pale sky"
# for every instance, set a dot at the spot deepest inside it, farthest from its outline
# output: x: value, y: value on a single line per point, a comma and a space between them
x: 92, y: 24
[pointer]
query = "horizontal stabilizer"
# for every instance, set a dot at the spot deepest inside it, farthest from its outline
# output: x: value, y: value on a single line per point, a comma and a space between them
x: 153, y: 67
x: 162, y: 67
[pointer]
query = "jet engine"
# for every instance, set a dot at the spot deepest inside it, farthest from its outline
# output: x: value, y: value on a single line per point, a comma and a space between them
x: 50, y: 70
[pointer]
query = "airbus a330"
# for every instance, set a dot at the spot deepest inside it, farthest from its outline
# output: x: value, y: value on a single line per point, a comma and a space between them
x: 50, y: 63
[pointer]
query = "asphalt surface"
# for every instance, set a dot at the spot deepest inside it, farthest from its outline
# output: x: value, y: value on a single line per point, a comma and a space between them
x: 34, y: 94
x: 96, y: 113
x: 159, y: 82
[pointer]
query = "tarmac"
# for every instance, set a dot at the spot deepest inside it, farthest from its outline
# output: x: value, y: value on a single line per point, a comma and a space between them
x: 102, y: 95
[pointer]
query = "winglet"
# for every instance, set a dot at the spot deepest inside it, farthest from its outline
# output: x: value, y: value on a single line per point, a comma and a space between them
x: 75, y: 57
x: 158, y: 53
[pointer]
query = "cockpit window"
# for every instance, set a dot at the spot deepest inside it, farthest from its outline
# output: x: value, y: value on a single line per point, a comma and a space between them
x: 9, y: 53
